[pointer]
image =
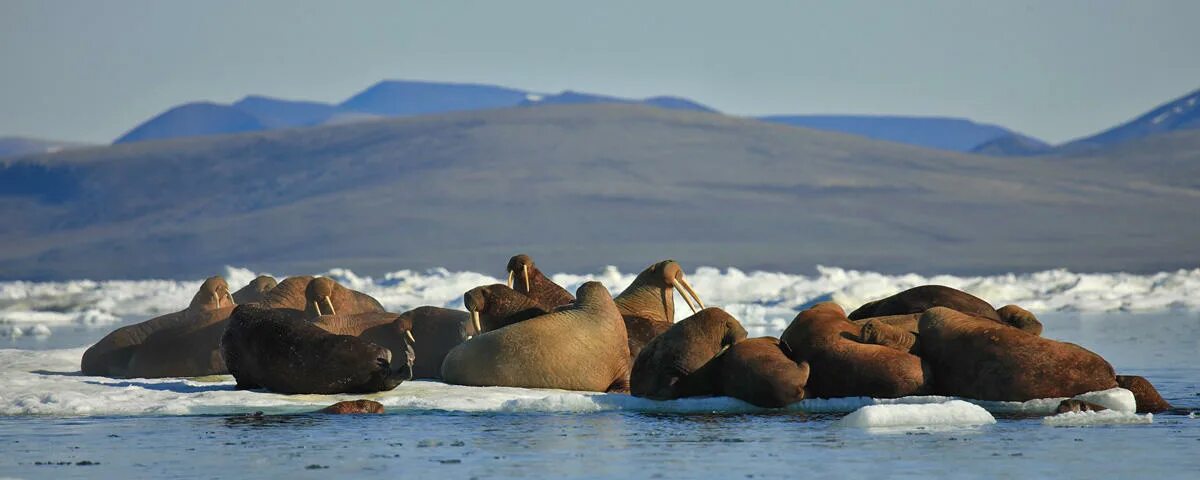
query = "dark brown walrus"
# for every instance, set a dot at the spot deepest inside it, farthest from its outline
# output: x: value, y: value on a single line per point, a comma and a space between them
x: 648, y: 304
x: 1144, y: 394
x: 920, y: 299
x: 843, y: 366
x: 493, y: 307
x: 977, y: 358
x: 354, y: 407
x: 759, y: 372
x: 279, y: 350
x: 524, y: 277
x: 189, y: 337
x: 680, y: 362
x: 582, y: 347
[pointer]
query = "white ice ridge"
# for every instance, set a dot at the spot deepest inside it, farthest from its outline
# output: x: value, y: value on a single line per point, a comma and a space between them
x: 48, y: 382
x: 765, y: 302
x: 951, y: 413
x: 1103, y: 417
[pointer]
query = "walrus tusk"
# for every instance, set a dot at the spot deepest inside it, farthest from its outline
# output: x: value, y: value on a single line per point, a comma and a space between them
x: 317, y: 306
x: 526, y: 269
x: 411, y: 338
x: 475, y: 323
x: 330, y: 303
x: 510, y: 275
x: 693, y: 292
x: 217, y: 298
x: 685, y: 297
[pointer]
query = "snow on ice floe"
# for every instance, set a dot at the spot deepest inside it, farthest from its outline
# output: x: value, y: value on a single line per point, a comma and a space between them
x: 48, y: 382
x: 951, y: 413
x: 1103, y: 417
x: 764, y: 301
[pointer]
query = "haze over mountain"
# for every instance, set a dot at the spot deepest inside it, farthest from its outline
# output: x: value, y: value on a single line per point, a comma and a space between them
x: 956, y: 134
x: 1182, y: 113
x: 585, y: 185
x: 13, y: 146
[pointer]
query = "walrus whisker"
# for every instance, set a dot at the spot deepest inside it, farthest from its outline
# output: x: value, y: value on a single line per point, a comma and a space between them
x: 683, y: 295
x: 510, y: 278
x: 525, y: 268
x: 330, y: 303
x: 688, y: 287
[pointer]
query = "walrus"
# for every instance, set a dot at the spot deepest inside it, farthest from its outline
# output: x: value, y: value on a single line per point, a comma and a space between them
x: 680, y: 362
x: 978, y: 358
x: 179, y: 344
x: 920, y: 299
x: 493, y: 307
x: 648, y: 304
x: 353, y: 407
x: 759, y: 372
x: 1144, y: 394
x: 279, y: 350
x: 581, y: 347
x: 879, y: 331
x: 1021, y: 318
x: 436, y: 331
x: 842, y: 365
x: 319, y: 296
x: 534, y: 284
x: 255, y: 291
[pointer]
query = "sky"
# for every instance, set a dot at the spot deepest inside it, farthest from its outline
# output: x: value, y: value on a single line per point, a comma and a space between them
x: 1057, y: 70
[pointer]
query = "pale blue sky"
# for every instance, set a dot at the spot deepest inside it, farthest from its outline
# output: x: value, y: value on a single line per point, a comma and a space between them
x: 90, y: 70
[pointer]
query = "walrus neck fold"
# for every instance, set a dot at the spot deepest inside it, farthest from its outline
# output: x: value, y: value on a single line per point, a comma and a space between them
x: 648, y: 301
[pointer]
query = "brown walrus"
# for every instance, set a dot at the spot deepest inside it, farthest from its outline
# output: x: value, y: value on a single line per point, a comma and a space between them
x: 1144, y: 394
x: 531, y: 282
x: 980, y: 359
x: 759, y: 372
x: 319, y: 296
x: 1021, y: 318
x: 493, y: 307
x: 255, y: 291
x: 680, y: 362
x: 353, y: 407
x: 436, y: 331
x: 920, y: 299
x: 180, y: 344
x: 582, y: 347
x: 648, y: 304
x: 1073, y: 405
x: 279, y: 350
x: 843, y: 366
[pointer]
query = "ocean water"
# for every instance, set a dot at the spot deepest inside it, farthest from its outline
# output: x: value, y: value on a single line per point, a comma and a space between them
x: 57, y: 423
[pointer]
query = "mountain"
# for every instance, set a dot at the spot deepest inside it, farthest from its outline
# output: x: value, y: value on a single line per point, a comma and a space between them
x: 403, y: 97
x: 953, y: 134
x: 192, y: 119
x: 1182, y: 113
x: 13, y: 146
x: 1012, y: 145
x: 277, y: 113
x: 583, y: 186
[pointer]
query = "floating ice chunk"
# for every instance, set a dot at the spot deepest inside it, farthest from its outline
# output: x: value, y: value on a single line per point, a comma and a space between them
x: 951, y: 413
x: 40, y: 330
x: 1103, y: 417
x: 1117, y: 399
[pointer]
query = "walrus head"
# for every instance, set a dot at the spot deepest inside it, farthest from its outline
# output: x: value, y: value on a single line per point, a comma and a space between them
x: 651, y: 295
x: 319, y: 295
x: 255, y: 291
x: 520, y: 263
x: 495, y: 306
x: 213, y: 294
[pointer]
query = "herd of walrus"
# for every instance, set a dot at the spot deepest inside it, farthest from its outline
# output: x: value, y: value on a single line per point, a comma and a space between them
x: 313, y: 335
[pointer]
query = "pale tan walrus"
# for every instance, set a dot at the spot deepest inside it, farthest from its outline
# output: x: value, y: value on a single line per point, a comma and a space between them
x: 581, y: 347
